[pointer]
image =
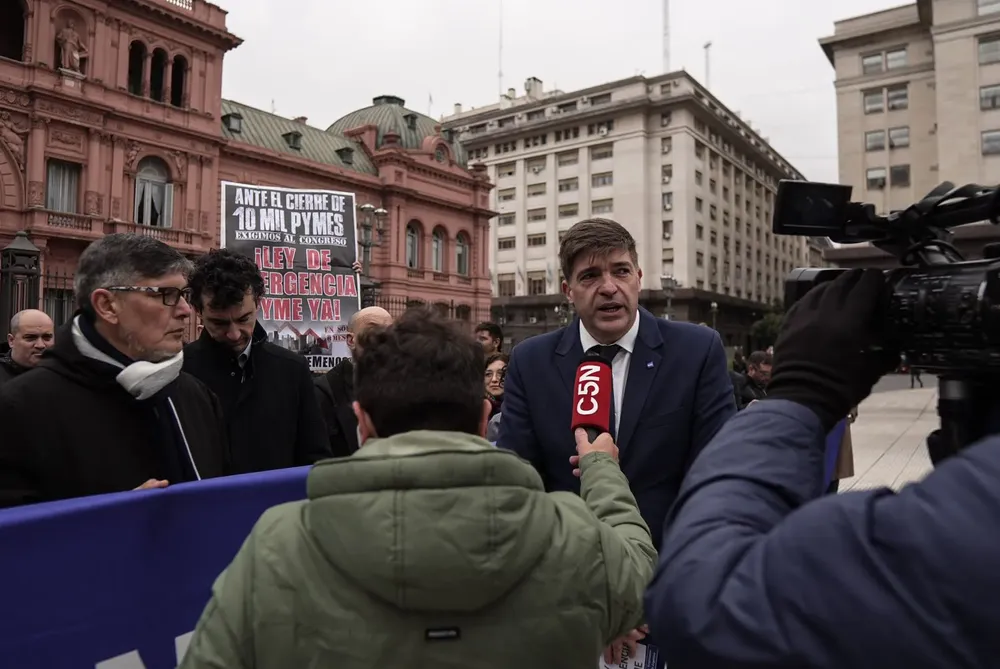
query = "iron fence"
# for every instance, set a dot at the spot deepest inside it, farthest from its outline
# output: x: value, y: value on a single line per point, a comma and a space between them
x: 59, y: 301
x: 466, y: 313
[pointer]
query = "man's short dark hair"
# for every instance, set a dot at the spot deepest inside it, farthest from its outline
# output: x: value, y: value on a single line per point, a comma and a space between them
x: 420, y: 373
x: 594, y: 236
x: 758, y: 358
x: 122, y: 260
x: 227, y: 276
x: 492, y: 328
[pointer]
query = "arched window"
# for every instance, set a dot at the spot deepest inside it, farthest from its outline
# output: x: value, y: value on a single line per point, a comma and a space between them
x: 13, y: 24
x: 437, y: 250
x: 412, y: 245
x: 136, y: 65
x: 178, y: 79
x: 442, y: 309
x: 154, y: 194
x: 463, y: 312
x: 158, y: 75
x: 462, y: 249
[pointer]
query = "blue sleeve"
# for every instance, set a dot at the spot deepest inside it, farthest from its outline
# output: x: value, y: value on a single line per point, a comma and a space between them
x: 754, y: 573
x: 516, y: 433
x: 715, y: 401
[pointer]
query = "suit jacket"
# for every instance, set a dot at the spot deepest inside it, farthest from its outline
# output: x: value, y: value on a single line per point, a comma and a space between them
x: 677, y: 396
x: 335, y: 394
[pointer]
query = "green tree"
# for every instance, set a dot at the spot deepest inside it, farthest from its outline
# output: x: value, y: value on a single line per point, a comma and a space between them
x: 765, y: 331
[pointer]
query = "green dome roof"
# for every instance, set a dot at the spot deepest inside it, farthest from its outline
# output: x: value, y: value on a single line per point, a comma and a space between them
x: 389, y: 114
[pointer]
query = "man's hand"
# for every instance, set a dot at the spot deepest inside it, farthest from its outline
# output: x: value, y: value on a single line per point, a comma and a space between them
x: 152, y: 484
x: 613, y: 653
x: 832, y: 347
x: 356, y: 266
x: 603, y: 444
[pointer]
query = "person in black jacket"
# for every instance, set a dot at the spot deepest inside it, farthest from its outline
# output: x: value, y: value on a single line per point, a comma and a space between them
x: 755, y: 380
x: 108, y: 409
x: 335, y: 389
x: 31, y: 333
x: 267, y: 394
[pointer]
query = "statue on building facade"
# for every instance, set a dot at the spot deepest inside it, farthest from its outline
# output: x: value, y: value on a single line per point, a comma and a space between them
x: 71, y: 48
x: 10, y: 135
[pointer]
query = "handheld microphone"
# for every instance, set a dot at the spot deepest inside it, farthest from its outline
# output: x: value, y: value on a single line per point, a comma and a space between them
x: 592, y: 393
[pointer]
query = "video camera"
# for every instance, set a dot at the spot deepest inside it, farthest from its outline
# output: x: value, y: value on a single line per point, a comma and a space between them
x: 943, y: 311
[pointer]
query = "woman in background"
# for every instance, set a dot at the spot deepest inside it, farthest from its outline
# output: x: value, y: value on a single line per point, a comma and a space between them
x: 496, y: 371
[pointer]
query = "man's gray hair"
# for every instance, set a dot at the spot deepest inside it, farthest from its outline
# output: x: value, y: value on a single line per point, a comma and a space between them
x: 123, y: 260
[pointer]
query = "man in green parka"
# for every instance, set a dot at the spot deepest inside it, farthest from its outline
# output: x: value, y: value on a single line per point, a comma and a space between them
x: 429, y: 547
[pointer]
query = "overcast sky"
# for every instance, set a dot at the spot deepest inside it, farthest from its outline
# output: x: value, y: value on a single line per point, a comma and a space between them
x: 323, y: 59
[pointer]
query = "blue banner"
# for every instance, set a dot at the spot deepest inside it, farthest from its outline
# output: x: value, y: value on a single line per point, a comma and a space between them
x: 119, y: 581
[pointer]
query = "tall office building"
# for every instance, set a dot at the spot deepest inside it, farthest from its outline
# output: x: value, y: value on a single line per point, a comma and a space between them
x: 918, y: 103
x: 691, y: 180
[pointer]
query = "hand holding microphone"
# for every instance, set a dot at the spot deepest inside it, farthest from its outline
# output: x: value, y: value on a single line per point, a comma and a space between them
x: 592, y: 403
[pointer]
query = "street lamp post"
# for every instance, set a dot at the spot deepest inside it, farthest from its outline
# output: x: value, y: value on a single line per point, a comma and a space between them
x: 715, y: 310
x: 668, y: 283
x: 371, y: 220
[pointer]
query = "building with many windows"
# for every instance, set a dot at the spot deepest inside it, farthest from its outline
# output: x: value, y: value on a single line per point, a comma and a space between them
x: 691, y: 180
x: 918, y: 103
x: 112, y: 120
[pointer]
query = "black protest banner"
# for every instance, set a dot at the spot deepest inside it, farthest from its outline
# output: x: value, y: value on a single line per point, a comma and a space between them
x: 304, y: 242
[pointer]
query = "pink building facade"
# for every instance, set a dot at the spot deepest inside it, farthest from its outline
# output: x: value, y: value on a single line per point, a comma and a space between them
x: 112, y: 120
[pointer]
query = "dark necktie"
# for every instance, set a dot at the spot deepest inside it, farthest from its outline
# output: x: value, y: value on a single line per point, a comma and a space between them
x: 609, y: 353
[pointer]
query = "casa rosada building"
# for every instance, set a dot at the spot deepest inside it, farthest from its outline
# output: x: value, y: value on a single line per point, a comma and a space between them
x: 112, y: 120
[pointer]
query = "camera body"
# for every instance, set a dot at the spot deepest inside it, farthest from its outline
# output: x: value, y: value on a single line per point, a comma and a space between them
x: 943, y: 312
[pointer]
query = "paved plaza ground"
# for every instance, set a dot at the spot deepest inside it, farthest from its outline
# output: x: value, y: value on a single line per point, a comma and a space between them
x: 890, y: 434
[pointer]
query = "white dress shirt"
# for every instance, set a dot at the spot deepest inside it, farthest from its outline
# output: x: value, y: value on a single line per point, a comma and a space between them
x: 619, y: 366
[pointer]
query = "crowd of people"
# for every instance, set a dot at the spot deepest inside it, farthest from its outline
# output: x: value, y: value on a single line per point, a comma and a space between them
x: 453, y: 516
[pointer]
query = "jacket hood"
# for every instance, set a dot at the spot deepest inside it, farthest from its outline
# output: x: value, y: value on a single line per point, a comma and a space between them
x: 431, y: 521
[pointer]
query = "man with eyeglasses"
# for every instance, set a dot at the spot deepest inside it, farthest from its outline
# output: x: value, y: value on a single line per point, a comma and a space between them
x: 108, y: 408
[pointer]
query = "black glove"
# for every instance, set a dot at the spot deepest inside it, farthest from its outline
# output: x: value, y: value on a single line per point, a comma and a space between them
x: 829, y: 352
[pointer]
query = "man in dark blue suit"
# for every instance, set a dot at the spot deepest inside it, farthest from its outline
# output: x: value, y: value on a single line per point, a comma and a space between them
x: 672, y: 391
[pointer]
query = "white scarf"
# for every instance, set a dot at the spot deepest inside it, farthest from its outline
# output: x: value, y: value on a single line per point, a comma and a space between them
x: 141, y: 379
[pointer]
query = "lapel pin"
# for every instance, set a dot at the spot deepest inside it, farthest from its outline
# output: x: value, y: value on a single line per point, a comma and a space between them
x: 649, y: 365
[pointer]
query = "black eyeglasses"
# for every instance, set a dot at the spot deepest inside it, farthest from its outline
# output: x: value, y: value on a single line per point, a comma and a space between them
x: 171, y: 296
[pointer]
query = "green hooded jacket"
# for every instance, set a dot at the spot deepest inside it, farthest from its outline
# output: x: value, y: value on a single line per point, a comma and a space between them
x: 432, y: 549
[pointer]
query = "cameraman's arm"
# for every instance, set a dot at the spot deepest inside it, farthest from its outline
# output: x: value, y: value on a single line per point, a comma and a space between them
x: 748, y: 576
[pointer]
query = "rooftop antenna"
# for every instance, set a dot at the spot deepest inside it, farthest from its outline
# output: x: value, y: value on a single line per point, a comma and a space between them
x: 708, y: 59
x: 500, y: 56
x: 274, y: 108
x: 666, y: 36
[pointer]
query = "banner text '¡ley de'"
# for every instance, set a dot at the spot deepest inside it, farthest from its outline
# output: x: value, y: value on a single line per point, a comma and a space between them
x: 319, y: 216
x: 288, y: 291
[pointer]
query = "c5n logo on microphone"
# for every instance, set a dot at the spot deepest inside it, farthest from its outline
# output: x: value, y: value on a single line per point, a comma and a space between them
x: 592, y: 394
x: 588, y: 387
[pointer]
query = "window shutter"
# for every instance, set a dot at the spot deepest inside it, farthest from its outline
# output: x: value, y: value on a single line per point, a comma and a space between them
x: 168, y: 205
x: 140, y: 193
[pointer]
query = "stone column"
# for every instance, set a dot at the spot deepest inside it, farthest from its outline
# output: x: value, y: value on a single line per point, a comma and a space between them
x: 29, y: 34
x: 117, y: 177
x: 186, y: 98
x: 147, y: 68
x: 91, y: 194
x: 97, y: 68
x: 124, y: 42
x: 208, y: 194
x: 168, y: 79
x: 36, y: 161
